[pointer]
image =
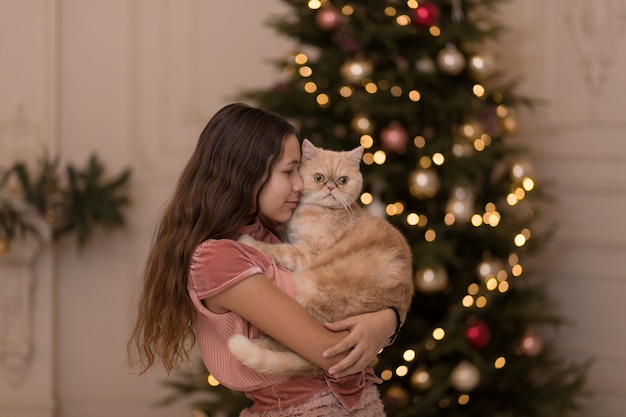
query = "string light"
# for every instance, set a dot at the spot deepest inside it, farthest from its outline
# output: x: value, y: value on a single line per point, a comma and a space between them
x: 212, y: 381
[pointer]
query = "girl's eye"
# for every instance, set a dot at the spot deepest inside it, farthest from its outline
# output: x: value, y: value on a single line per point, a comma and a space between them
x: 319, y: 178
x: 342, y: 181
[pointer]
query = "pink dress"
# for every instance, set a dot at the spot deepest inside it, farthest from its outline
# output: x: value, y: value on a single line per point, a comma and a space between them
x: 216, y: 266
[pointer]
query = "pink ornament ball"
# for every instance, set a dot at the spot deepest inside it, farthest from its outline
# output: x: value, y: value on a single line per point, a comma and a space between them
x: 426, y: 14
x: 394, y: 138
x: 328, y: 19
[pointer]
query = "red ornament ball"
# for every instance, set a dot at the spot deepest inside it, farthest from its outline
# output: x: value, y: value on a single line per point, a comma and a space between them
x: 426, y: 14
x: 328, y: 18
x: 478, y: 334
x: 394, y: 138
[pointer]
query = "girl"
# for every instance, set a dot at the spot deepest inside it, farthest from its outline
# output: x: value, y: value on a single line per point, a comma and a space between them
x: 202, y: 286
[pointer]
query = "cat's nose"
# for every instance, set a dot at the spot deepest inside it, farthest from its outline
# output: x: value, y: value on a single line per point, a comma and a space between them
x: 330, y: 188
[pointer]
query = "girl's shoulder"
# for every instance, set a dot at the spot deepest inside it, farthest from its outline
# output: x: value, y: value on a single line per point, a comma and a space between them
x: 220, y: 263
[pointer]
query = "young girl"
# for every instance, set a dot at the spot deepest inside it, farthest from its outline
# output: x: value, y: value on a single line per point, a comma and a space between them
x: 202, y: 286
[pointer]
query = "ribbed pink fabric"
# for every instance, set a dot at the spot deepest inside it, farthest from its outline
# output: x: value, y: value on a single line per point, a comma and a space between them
x: 216, y: 266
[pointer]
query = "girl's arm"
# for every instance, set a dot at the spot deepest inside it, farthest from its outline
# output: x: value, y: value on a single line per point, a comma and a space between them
x: 282, y: 318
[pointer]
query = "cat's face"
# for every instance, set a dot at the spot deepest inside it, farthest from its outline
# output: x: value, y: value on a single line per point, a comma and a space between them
x: 331, y: 179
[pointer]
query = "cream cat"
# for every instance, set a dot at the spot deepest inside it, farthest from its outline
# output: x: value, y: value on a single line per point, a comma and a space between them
x: 345, y: 261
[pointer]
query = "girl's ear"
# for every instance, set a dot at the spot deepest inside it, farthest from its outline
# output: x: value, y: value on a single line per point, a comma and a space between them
x: 308, y: 150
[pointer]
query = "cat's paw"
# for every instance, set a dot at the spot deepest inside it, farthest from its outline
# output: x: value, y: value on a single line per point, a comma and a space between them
x: 248, y: 240
x: 240, y: 346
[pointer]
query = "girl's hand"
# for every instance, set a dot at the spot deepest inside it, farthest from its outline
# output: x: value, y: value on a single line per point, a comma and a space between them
x: 369, y: 333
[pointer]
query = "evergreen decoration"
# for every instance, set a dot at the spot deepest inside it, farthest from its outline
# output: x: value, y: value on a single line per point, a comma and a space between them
x: 416, y: 84
x: 219, y: 401
x: 75, y: 203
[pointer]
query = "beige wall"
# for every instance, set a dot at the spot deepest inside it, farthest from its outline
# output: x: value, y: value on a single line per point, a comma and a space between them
x: 135, y: 80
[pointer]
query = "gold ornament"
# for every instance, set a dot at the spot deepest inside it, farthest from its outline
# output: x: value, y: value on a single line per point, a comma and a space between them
x: 423, y: 183
x: 355, y: 70
x: 429, y: 280
x: 451, y: 60
x: 465, y: 376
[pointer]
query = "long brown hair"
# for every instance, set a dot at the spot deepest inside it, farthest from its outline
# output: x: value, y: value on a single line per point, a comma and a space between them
x: 217, y: 194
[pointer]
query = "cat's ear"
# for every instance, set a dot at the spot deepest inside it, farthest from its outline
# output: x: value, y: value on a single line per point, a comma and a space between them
x: 308, y: 150
x: 356, y: 154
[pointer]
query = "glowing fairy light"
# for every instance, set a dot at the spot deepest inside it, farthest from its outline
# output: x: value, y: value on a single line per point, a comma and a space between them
x: 366, y: 141
x: 439, y: 333
x: 314, y: 4
x: 367, y: 198
x: 212, y: 381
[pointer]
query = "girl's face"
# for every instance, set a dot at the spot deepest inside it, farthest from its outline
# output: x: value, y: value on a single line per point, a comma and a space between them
x: 279, y: 198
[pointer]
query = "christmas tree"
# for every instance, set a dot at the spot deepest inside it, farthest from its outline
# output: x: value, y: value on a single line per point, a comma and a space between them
x: 416, y: 84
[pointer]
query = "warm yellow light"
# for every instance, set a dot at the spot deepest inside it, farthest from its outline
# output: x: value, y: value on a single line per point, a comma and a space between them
x: 391, y: 210
x: 412, y: 219
x: 519, y: 240
x: 438, y: 159
x: 301, y: 59
x: 511, y: 200
x: 434, y: 31
x: 478, y: 90
x: 366, y: 141
x: 347, y: 10
x: 528, y: 184
x: 380, y: 157
x: 500, y: 362
x: 476, y: 220
x: 403, y: 20
x: 386, y: 375
x: 345, y: 91
x: 322, y: 100
x: 516, y: 270
x: 430, y: 235
x: 396, y: 91
x: 409, y: 355
x: 367, y: 198
x: 412, y: 4
x: 402, y: 370
x: 400, y: 208
x: 468, y: 301
x: 305, y: 71
x: 502, y: 111
x: 419, y: 141
x: 314, y: 4
x: 390, y: 11
x: 425, y: 162
x: 491, y: 284
x: 481, y: 302
x: 212, y: 381
x: 368, y: 158
x: 463, y: 399
x: 479, y: 145
x: 310, y: 87
x: 438, y: 333
x: 449, y: 219
x: 503, y: 287
x: 371, y: 88
x: 473, y: 289
x: 414, y: 95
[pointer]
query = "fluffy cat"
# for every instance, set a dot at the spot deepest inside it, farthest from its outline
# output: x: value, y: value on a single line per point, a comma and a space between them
x: 344, y: 260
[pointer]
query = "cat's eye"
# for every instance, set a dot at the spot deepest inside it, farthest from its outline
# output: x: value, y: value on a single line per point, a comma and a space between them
x: 342, y: 180
x: 319, y: 178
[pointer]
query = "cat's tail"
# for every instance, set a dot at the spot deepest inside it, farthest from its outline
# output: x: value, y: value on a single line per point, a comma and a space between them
x: 266, y: 356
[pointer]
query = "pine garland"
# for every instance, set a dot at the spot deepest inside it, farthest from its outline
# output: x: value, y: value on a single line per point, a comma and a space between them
x: 74, y: 203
